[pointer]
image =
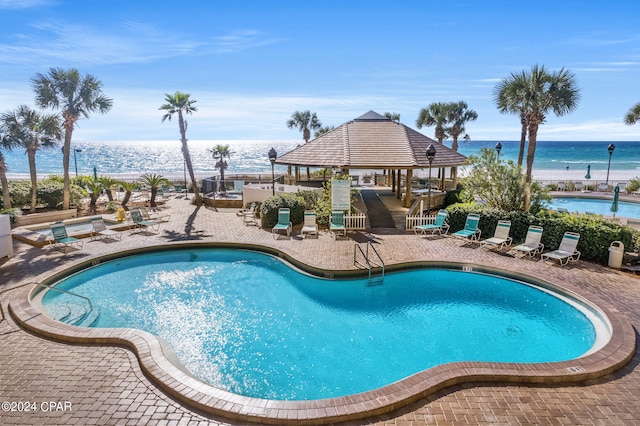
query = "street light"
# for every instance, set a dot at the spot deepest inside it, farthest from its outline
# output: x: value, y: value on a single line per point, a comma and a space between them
x: 610, y: 148
x: 272, y: 157
x: 431, y: 153
x: 75, y: 161
x: 498, y: 149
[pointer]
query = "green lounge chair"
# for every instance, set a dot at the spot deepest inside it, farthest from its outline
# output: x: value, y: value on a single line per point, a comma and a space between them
x: 61, y: 239
x: 470, y: 231
x: 532, y: 244
x: 140, y: 223
x: 337, y: 226
x: 567, y: 250
x: 501, y: 238
x: 101, y: 232
x: 440, y: 225
x: 284, y: 223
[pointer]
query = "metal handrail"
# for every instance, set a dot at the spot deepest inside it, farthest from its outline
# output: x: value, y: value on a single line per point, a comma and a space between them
x: 370, y: 265
x: 66, y: 292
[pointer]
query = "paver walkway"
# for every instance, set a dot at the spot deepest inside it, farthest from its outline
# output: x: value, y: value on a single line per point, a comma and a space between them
x: 104, y: 385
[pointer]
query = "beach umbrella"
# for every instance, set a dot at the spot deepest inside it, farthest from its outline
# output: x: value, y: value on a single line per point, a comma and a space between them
x: 614, y: 205
x: 95, y: 174
x: 588, y: 175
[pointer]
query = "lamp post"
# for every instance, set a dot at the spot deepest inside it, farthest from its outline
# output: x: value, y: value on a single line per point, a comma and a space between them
x: 75, y: 160
x: 272, y: 157
x: 610, y: 148
x: 498, y: 149
x: 431, y: 153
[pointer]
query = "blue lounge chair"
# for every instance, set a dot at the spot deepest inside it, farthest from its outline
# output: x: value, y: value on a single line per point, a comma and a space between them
x: 567, y: 250
x: 440, y: 225
x: 60, y: 238
x: 337, y: 226
x: 284, y: 223
x: 140, y: 223
x: 470, y: 231
x: 501, y: 238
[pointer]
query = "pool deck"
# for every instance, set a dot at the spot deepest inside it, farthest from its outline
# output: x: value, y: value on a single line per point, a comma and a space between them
x: 106, y: 385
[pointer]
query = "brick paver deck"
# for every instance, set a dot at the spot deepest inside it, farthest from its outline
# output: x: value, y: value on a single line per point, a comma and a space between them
x: 105, y: 385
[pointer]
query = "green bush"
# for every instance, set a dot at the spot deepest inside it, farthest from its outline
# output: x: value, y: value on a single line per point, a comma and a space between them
x: 50, y: 193
x: 322, y: 205
x: 634, y: 185
x: 270, y: 207
x: 596, y: 233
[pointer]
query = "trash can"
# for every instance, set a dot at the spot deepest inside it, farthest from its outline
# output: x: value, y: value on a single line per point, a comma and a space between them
x: 616, y: 253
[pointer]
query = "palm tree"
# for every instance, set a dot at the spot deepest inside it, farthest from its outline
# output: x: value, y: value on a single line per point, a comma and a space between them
x: 633, y: 116
x: 154, y: 181
x: 128, y: 188
x: 94, y: 188
x: 540, y: 93
x: 220, y: 152
x: 458, y: 115
x: 305, y: 121
x: 510, y: 98
x: 322, y: 130
x: 32, y: 131
x: 76, y: 97
x: 393, y: 116
x: 108, y: 183
x: 181, y: 104
x: 435, y: 115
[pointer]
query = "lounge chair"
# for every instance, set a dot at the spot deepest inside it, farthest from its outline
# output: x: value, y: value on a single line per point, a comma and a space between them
x: 440, y: 225
x: 139, y: 222
x: 309, y: 226
x: 578, y: 186
x: 562, y: 186
x: 603, y: 187
x: 563, y: 210
x: 532, y: 244
x: 60, y: 238
x: 284, y: 223
x: 567, y: 250
x: 623, y: 187
x: 337, y: 226
x: 153, y: 217
x: 470, y: 232
x: 501, y: 238
x: 249, y: 215
x: 101, y: 232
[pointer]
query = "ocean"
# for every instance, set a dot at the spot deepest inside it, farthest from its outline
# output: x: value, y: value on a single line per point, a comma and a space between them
x: 554, y: 160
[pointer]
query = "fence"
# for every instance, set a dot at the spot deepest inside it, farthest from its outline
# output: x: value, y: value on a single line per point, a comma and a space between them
x: 355, y: 221
x: 412, y: 221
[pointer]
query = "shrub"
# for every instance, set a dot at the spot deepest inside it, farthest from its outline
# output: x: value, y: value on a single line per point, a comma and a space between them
x: 634, y: 185
x: 596, y: 233
x: 50, y: 193
x: 270, y: 207
x: 13, y: 214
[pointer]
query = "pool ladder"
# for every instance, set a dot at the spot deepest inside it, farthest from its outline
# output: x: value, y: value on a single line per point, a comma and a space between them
x: 368, y: 262
x: 72, y: 313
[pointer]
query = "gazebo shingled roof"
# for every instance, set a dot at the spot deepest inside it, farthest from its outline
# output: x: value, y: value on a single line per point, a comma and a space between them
x: 371, y: 141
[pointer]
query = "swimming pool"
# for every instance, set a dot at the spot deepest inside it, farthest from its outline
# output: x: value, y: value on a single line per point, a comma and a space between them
x: 250, y: 324
x: 597, y: 206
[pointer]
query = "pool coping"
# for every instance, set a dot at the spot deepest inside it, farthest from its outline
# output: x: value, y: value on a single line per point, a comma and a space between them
x: 154, y: 357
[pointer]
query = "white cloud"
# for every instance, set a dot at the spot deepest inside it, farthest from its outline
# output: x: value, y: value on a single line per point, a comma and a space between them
x: 23, y: 4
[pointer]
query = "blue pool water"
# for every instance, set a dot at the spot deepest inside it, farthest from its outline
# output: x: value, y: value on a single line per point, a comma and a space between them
x: 597, y: 206
x: 246, y: 322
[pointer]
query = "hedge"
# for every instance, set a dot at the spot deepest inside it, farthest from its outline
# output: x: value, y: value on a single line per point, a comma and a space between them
x: 596, y: 233
x: 269, y: 209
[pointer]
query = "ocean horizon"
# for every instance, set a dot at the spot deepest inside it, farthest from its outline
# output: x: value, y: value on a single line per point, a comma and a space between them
x: 555, y: 160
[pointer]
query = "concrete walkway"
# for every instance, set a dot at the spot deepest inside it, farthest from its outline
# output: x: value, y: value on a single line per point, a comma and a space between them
x: 82, y: 384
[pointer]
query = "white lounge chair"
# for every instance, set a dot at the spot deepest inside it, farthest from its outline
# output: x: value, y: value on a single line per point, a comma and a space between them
x: 567, y: 250
x: 309, y: 226
x: 249, y: 215
x: 562, y: 186
x: 532, y: 244
x: 623, y: 187
x: 578, y: 186
x: 603, y: 187
x: 501, y: 238
x: 440, y: 225
x: 101, y: 232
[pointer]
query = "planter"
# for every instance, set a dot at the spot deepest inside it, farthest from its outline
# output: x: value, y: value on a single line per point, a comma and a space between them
x: 52, y: 216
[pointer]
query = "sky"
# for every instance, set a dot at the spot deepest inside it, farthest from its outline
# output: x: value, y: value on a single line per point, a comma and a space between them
x: 251, y: 64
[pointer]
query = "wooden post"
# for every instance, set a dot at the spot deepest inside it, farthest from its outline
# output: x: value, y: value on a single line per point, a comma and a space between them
x: 407, y: 197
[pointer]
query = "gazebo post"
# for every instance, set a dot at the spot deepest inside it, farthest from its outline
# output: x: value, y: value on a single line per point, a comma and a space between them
x: 407, y: 197
x: 392, y: 179
x: 289, y: 174
x: 398, y: 184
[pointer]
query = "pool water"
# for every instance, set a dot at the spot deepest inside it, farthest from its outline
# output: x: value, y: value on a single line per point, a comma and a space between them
x: 597, y: 206
x: 248, y: 323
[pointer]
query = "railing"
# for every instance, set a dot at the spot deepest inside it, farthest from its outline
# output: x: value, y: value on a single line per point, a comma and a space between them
x: 368, y: 263
x: 70, y: 293
x: 355, y: 221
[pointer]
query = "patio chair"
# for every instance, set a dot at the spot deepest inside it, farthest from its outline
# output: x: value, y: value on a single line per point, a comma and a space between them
x: 337, y: 226
x: 101, y: 232
x: 60, y: 238
x: 440, y: 225
x: 140, y: 223
x: 284, y: 223
x: 578, y: 186
x: 249, y: 215
x: 567, y: 250
x: 532, y: 244
x: 309, y: 226
x: 154, y: 217
x: 603, y: 187
x: 470, y: 232
x: 562, y: 186
x: 623, y: 187
x: 501, y: 238
x: 563, y: 210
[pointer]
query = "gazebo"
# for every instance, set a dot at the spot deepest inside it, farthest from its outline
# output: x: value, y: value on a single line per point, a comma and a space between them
x: 373, y: 142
